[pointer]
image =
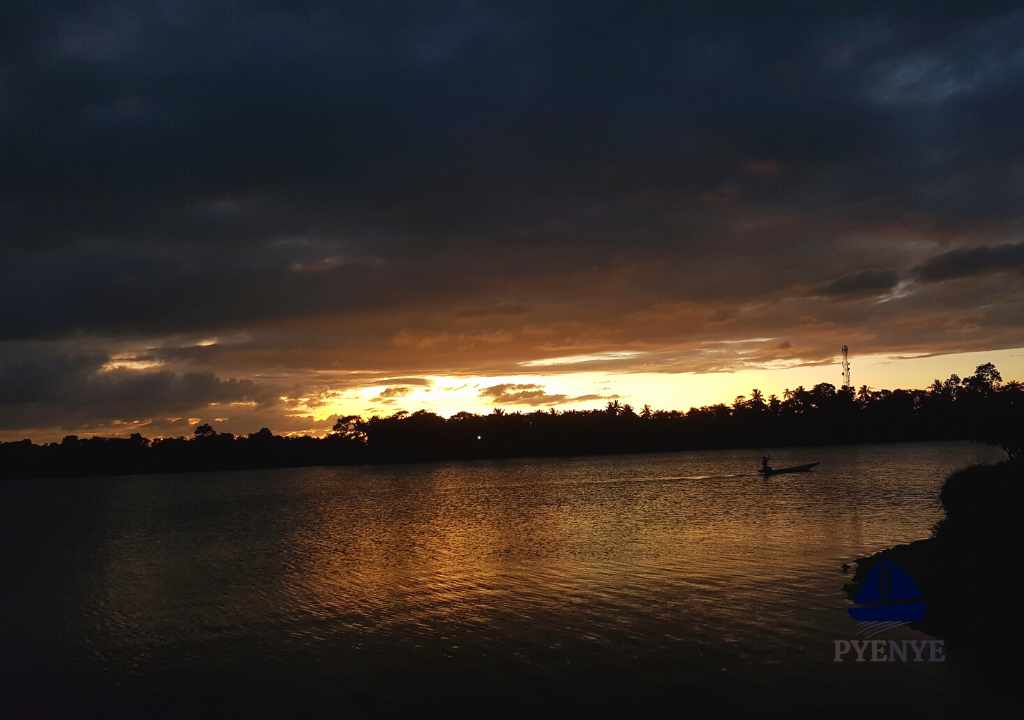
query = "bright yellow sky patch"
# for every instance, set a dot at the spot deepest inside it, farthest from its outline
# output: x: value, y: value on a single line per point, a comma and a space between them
x: 447, y: 395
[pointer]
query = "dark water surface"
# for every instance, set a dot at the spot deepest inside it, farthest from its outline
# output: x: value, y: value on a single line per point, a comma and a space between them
x: 680, y: 578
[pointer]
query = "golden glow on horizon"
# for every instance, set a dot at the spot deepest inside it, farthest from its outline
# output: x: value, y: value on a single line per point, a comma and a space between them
x: 447, y: 395
x: 450, y: 394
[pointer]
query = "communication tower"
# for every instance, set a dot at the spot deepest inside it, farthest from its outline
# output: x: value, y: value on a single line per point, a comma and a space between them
x: 846, y: 367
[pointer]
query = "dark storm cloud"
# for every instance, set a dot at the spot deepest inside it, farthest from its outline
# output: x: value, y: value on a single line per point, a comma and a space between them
x: 972, y: 261
x: 441, y: 121
x: 413, y: 188
x: 153, y: 291
x: 865, y: 282
x: 40, y: 388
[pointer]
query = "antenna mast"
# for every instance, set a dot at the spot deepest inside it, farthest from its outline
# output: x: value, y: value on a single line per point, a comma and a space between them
x: 846, y: 367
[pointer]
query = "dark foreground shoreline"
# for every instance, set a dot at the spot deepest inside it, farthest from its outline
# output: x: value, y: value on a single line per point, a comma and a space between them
x: 967, y: 570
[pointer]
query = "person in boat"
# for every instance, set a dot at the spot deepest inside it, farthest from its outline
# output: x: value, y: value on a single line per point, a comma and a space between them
x: 765, y: 467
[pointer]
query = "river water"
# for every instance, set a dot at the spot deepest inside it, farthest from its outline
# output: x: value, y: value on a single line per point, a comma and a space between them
x: 484, y: 586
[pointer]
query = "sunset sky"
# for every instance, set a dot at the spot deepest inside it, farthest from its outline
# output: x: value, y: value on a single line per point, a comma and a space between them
x: 308, y: 209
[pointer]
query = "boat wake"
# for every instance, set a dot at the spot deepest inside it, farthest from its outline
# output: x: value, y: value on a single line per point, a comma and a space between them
x: 679, y: 478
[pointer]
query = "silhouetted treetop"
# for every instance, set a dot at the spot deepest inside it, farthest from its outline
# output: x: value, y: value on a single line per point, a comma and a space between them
x: 978, y: 407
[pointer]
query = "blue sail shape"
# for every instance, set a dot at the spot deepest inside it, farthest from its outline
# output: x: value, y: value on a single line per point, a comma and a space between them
x: 902, y: 586
x: 871, y: 590
x: 888, y: 594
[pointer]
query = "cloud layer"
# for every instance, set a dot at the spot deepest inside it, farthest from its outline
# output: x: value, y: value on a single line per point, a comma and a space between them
x: 296, y: 200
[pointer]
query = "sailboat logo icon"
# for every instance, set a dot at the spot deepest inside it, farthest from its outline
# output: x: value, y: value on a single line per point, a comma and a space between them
x: 888, y: 594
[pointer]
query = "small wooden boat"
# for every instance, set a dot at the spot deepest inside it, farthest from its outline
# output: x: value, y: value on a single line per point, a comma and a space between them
x: 790, y: 469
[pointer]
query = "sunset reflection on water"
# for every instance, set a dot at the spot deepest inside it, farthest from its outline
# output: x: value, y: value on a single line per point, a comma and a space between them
x: 503, y: 574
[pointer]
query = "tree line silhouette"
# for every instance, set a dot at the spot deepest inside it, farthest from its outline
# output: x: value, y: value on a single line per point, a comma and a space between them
x: 979, y: 407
